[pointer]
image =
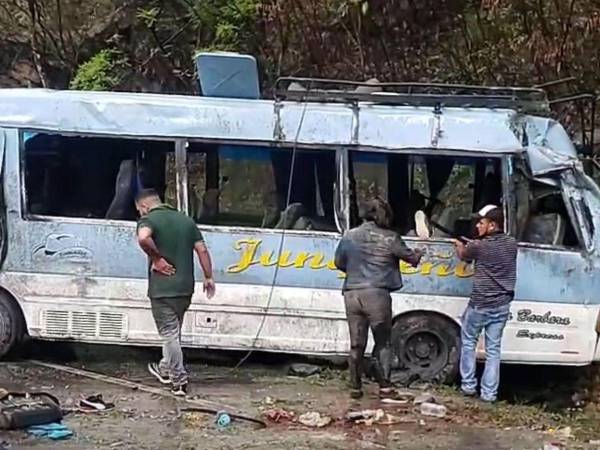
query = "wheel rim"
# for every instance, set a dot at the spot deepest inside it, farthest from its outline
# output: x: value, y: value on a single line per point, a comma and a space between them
x: 422, y: 351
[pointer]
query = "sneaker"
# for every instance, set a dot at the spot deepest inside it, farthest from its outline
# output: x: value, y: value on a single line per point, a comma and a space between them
x: 468, y: 393
x: 179, y: 389
x: 422, y: 225
x: 487, y: 400
x: 154, y: 369
x: 95, y: 403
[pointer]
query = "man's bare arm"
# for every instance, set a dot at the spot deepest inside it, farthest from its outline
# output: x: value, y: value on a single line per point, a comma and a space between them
x: 204, y: 258
x: 206, y: 264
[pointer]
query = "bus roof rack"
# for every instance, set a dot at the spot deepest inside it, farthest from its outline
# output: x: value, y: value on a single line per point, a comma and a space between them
x: 527, y: 100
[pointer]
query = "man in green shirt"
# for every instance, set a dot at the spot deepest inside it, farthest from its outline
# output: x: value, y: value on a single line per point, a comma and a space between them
x: 169, y: 238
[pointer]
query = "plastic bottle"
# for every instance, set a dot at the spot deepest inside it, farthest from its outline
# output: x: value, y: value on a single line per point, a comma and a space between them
x: 223, y: 420
x: 431, y: 409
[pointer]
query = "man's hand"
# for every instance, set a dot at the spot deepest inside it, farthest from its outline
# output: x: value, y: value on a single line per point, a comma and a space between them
x: 209, y: 287
x: 419, y: 252
x: 460, y: 247
x: 162, y: 266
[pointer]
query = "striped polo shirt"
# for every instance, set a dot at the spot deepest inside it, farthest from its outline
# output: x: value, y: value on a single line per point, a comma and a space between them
x: 495, y: 276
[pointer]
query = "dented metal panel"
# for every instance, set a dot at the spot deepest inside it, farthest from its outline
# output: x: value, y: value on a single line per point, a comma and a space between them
x: 173, y: 116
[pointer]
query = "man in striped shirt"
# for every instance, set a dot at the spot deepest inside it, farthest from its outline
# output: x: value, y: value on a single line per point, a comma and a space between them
x: 495, y: 257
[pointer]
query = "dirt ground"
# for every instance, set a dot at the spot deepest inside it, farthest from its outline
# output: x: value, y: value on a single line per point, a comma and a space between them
x: 143, y: 420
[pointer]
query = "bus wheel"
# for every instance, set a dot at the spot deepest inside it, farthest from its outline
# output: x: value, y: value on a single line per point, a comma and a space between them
x: 427, y: 347
x: 11, y: 324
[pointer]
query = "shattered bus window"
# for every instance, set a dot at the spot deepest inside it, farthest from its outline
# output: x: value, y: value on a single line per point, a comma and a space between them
x: 93, y: 177
x: 447, y: 189
x: 547, y: 219
x: 247, y: 186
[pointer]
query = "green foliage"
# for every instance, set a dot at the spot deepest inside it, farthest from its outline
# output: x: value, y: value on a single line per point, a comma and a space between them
x: 100, y: 73
x: 229, y: 24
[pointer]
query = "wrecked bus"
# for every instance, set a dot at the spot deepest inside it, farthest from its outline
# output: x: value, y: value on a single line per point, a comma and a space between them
x: 72, y: 162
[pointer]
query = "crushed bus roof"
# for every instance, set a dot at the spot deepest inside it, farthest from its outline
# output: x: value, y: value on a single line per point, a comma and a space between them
x: 361, y: 124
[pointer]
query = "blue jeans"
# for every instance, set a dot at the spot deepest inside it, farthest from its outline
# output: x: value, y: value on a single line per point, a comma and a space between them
x: 493, y: 321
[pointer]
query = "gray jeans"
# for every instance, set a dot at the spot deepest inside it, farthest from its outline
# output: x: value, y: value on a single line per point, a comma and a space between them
x: 364, y: 308
x: 168, y: 315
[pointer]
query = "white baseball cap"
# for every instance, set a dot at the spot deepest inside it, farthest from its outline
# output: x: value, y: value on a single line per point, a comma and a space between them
x: 491, y: 212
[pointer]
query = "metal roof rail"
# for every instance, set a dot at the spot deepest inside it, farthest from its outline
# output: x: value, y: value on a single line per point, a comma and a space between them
x: 528, y: 100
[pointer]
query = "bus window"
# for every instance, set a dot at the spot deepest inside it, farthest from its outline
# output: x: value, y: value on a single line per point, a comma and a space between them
x: 247, y: 186
x: 447, y: 189
x: 93, y: 177
x: 542, y: 216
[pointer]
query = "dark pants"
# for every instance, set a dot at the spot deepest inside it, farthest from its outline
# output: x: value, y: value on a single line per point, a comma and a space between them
x: 364, y: 308
x: 168, y: 315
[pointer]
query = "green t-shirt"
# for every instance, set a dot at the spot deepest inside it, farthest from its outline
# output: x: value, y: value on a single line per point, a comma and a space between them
x: 175, y: 235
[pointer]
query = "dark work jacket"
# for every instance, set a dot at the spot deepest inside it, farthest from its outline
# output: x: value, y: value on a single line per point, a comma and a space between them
x: 370, y: 256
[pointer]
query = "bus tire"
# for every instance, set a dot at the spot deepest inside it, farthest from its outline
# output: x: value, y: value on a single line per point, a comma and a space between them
x: 12, y: 326
x: 427, y: 347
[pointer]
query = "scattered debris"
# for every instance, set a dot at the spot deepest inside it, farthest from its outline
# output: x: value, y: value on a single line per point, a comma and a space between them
x: 396, y: 435
x: 404, y: 394
x: 314, y: 419
x: 425, y: 397
x: 369, y: 416
x: 553, y: 446
x: 434, y: 410
x: 393, y: 401
x: 196, y: 405
x: 54, y: 431
x: 279, y: 415
x: 304, y: 370
x: 194, y: 419
x: 22, y: 410
x: 269, y: 401
x: 420, y: 385
x: 95, y: 403
x: 379, y: 416
x: 566, y: 432
x: 223, y: 419
x: 396, y: 397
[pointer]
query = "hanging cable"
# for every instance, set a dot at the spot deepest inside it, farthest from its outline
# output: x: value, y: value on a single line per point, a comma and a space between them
x: 281, y: 240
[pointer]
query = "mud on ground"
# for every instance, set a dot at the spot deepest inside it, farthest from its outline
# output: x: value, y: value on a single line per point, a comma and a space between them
x: 532, y: 417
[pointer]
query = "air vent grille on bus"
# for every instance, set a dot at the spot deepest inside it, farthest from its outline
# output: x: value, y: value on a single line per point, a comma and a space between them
x: 55, y: 323
x: 84, y: 324
x: 112, y: 325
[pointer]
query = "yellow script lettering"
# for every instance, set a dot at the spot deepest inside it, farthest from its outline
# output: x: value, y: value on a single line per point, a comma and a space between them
x: 248, y: 247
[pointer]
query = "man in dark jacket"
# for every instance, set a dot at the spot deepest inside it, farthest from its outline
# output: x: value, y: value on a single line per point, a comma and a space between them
x: 370, y: 257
